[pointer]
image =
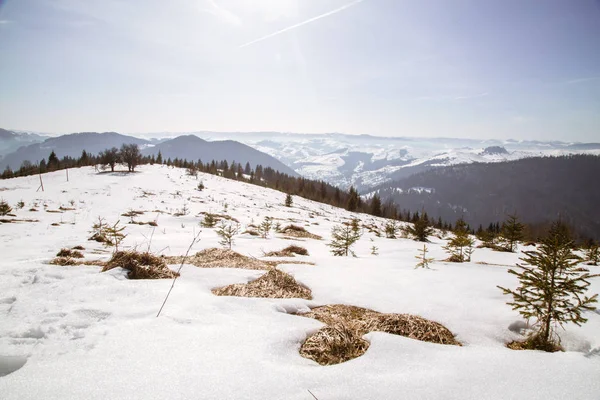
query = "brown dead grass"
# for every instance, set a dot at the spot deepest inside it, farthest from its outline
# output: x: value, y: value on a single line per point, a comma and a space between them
x: 324, y: 346
x: 289, y: 251
x: 220, y: 258
x: 64, y: 261
x: 69, y: 253
x: 274, y: 284
x: 140, y: 265
x: 333, y: 345
x: 299, y: 232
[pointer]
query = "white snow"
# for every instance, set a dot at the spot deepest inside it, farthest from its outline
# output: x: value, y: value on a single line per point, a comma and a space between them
x: 72, y: 332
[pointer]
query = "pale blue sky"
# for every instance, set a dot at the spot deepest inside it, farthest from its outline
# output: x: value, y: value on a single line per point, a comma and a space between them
x: 522, y: 69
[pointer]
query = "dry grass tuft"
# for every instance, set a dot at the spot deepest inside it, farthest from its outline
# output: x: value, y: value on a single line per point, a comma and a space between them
x: 299, y: 231
x: 100, y: 238
x: 220, y: 258
x: 274, y: 284
x: 69, y: 253
x: 78, y: 247
x: 289, y: 251
x: 534, y: 343
x: 64, y: 261
x: 333, y: 345
x: 140, y: 265
x: 361, y: 321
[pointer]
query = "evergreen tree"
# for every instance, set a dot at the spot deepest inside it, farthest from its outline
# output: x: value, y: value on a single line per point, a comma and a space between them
x: 551, y: 288
x: 375, y: 206
x: 289, y: 201
x: 460, y: 247
x: 592, y: 253
x: 343, y: 238
x: 265, y: 227
x: 84, y: 159
x: 420, y: 228
x: 159, y: 158
x: 115, y: 234
x: 53, y: 162
x: 5, y: 208
x: 227, y: 233
x: 391, y: 229
x: 209, y: 221
x: 353, y: 199
x: 423, y: 259
x: 512, y: 232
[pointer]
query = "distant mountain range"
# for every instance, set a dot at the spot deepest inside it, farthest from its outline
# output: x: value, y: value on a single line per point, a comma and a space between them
x: 366, y: 161
x: 363, y: 161
x: 184, y: 147
x: 539, y: 190
x: 10, y: 141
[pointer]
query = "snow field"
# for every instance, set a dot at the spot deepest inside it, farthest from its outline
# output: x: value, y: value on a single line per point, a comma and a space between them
x: 86, y: 334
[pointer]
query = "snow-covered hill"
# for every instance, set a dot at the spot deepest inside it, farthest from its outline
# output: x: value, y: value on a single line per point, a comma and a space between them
x: 78, y: 333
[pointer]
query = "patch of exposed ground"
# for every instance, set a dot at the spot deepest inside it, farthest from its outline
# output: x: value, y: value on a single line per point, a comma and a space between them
x: 342, y: 339
x: 274, y: 284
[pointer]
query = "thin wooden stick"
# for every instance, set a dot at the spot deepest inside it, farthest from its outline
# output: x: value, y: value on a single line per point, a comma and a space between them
x: 196, y: 238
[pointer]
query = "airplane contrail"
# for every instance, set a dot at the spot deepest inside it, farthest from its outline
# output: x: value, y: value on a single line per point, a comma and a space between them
x: 308, y: 21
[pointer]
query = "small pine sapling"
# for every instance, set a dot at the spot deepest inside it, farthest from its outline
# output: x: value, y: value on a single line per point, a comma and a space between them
x: 227, y: 233
x: 391, y: 229
x: 343, y: 238
x: 592, y: 253
x: 460, y: 247
x: 511, y: 233
x: 289, y: 201
x: 265, y: 227
x: 116, y: 235
x: 420, y: 229
x: 20, y: 204
x: 5, y: 208
x: 209, y: 221
x: 424, y: 261
x: 374, y: 250
x: 200, y: 186
x: 551, y: 289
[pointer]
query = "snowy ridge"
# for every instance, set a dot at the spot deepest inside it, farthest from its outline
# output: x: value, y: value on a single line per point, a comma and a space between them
x: 367, y: 161
x: 85, y: 334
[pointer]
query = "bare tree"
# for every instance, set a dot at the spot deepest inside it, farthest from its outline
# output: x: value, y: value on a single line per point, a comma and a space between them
x: 130, y: 155
x: 110, y: 157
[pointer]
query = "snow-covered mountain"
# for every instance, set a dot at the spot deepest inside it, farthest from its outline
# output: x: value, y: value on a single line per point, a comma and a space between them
x: 11, y: 140
x: 73, y: 332
x: 366, y: 161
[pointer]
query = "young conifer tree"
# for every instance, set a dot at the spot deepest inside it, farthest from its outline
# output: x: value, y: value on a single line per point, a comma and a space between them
x: 460, y: 247
x: 289, y: 201
x: 115, y: 234
x: 512, y: 232
x: 551, y: 288
x: 227, y: 233
x: 423, y: 259
x: 265, y: 227
x: 420, y: 229
x: 592, y: 253
x: 343, y: 238
x: 5, y: 208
